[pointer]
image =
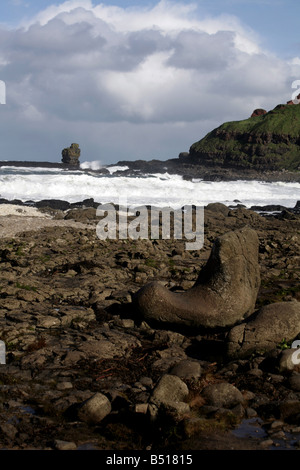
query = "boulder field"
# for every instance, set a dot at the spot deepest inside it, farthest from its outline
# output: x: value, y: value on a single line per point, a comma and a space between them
x: 141, y: 344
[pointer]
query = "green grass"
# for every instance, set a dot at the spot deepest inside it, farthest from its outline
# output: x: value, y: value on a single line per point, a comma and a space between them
x: 278, y: 121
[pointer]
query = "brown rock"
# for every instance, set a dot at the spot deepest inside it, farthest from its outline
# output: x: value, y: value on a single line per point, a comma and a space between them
x: 224, y: 293
x: 95, y: 409
x: 258, y: 112
x: 222, y: 394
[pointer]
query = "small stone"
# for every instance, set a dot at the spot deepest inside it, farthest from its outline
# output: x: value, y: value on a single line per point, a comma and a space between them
x: 64, y: 445
x: 176, y: 410
x: 127, y: 323
x: 266, y: 443
x: 95, y: 409
x: 170, y: 388
x: 146, y: 381
x: 276, y: 378
x: 223, y: 395
x: 139, y: 386
x: 48, y: 322
x: 187, y: 369
x: 64, y: 386
x: 8, y: 430
x: 255, y: 372
x: 276, y: 424
x: 278, y: 435
x: 141, y: 408
x: 251, y: 413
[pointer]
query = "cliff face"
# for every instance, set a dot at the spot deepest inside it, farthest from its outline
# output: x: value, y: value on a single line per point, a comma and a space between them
x: 265, y: 141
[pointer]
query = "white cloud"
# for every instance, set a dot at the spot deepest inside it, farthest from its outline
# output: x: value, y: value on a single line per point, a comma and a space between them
x: 165, y: 73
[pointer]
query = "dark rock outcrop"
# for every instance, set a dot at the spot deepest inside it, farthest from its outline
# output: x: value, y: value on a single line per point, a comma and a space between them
x: 70, y: 155
x: 258, y: 112
x: 224, y: 293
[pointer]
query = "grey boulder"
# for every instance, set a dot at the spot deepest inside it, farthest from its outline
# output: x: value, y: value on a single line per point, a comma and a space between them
x: 224, y: 293
x: 269, y: 326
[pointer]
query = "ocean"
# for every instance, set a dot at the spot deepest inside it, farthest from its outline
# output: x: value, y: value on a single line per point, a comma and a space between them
x: 160, y: 190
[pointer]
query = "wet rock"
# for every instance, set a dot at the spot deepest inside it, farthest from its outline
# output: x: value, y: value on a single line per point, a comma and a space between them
x: 170, y: 388
x: 168, y: 398
x: 224, y: 395
x: 94, y: 409
x: 290, y: 411
x: 224, y: 293
x: 56, y: 204
x: 186, y: 369
x: 217, y: 207
x: 81, y: 215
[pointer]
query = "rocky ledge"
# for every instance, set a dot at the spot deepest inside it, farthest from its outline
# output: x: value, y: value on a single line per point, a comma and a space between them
x: 87, y: 368
x: 190, y: 168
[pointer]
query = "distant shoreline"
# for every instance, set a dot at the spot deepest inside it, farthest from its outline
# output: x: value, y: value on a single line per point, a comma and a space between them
x: 172, y: 166
x: 29, y: 164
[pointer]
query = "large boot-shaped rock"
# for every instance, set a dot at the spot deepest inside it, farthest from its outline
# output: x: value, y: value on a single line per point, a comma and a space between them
x: 224, y: 293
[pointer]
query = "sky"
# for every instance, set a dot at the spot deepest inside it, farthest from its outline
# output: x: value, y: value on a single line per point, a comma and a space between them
x: 130, y: 80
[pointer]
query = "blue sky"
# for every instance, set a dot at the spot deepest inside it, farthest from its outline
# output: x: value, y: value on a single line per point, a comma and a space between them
x: 130, y: 79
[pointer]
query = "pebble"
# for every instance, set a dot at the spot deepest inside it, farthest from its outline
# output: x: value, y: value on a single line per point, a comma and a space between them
x: 64, y: 445
x: 266, y: 443
x: 276, y: 424
x: 64, y: 386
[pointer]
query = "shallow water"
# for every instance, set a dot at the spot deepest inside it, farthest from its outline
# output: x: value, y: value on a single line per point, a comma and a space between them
x: 253, y: 428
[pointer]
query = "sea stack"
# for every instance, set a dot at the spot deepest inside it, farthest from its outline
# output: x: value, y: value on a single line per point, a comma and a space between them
x: 70, y: 155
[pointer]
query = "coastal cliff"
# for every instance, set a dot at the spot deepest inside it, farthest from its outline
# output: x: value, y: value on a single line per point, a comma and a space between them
x: 265, y: 141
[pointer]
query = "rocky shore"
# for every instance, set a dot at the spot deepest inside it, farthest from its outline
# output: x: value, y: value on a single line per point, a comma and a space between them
x: 85, y: 368
x: 188, y: 169
x: 183, y: 166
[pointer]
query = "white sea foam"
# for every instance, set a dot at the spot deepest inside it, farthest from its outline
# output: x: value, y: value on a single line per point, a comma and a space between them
x: 156, y: 189
x: 113, y: 169
x: 94, y: 165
